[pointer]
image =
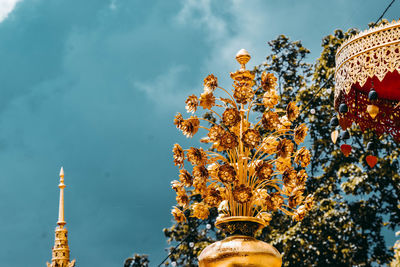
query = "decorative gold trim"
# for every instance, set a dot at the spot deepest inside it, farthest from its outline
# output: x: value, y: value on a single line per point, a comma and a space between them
x: 373, y: 52
x: 239, y: 219
x: 240, y: 225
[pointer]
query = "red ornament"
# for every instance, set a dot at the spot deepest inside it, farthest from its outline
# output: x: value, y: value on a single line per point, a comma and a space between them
x: 366, y: 61
x: 345, y: 123
x: 346, y: 149
x: 371, y: 160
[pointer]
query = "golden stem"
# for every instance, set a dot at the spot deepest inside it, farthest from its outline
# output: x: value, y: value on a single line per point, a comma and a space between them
x: 229, y: 96
x: 208, y: 121
x: 216, y: 113
x: 202, y: 127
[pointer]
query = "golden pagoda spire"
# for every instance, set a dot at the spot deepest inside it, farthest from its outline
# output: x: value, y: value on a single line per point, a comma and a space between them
x: 60, y: 252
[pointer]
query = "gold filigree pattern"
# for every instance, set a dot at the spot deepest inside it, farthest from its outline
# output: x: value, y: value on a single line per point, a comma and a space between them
x: 374, y: 52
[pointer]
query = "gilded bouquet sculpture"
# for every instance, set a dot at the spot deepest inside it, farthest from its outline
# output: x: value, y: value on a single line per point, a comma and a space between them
x: 250, y: 169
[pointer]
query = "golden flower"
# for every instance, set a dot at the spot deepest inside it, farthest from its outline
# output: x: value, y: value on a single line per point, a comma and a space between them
x: 265, y: 216
x: 302, y: 157
x: 243, y: 76
x: 191, y: 103
x: 251, y: 138
x: 285, y: 148
x: 196, y: 156
x: 200, y: 171
x: 215, y: 133
x: 264, y: 170
x: 226, y: 173
x: 207, y: 100
x: 242, y: 193
x: 179, y: 155
x: 259, y: 197
x: 300, y: 213
x: 243, y: 93
x: 213, y: 170
x: 270, y: 98
x: 211, y: 82
x: 284, y: 123
x: 178, y: 215
x: 200, y: 185
x: 228, y: 141
x: 288, y: 188
x: 212, y: 197
x: 182, y: 200
x: 268, y: 81
x: 270, y: 120
x: 200, y: 211
x: 178, y: 121
x: 282, y: 164
x: 223, y: 192
x: 231, y: 117
x: 289, y: 176
x: 190, y: 126
x: 309, y: 202
x: 292, y: 111
x: 300, y: 133
x: 178, y: 187
x: 185, y: 178
x: 274, y: 201
x: 296, y: 196
x: 301, y: 177
x: 269, y: 145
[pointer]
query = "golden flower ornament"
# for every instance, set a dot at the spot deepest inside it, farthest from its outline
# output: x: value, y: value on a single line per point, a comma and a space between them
x: 249, y: 168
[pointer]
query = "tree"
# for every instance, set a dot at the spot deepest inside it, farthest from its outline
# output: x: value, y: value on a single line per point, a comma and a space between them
x: 355, y: 203
x: 137, y: 261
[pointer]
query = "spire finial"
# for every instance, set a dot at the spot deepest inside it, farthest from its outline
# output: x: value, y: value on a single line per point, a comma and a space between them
x: 61, y: 220
x: 243, y: 57
x: 61, y: 250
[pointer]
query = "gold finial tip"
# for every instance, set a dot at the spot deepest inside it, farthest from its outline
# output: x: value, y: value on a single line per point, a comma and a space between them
x: 242, y: 52
x: 243, y: 57
x: 62, y: 172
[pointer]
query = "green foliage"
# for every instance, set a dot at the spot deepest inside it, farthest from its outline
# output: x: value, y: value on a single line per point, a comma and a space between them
x: 193, y: 236
x: 137, y: 261
x: 354, y: 203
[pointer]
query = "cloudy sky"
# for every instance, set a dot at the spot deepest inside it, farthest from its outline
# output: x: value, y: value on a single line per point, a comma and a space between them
x: 93, y: 86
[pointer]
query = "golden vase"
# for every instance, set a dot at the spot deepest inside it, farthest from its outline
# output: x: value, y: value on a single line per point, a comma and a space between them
x: 241, y: 248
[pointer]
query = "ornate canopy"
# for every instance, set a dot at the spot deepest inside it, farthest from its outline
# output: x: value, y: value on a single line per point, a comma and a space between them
x: 370, y: 59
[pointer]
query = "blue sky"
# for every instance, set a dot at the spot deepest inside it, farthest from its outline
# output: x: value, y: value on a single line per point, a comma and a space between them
x: 93, y: 86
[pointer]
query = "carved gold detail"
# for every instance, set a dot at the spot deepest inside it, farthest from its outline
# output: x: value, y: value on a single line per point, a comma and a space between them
x: 60, y: 251
x: 240, y: 225
x: 374, y: 52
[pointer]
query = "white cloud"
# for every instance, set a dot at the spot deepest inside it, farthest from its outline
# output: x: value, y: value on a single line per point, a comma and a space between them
x: 113, y: 4
x: 163, y: 88
x: 6, y: 6
x: 241, y: 25
x: 199, y: 13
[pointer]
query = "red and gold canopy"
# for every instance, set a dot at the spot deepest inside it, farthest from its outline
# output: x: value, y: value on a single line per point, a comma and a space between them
x: 370, y: 59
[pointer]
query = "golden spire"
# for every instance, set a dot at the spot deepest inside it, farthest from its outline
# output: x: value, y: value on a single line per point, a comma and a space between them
x: 60, y: 255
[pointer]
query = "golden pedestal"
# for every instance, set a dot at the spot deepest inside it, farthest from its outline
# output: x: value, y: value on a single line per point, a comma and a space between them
x: 239, y: 249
